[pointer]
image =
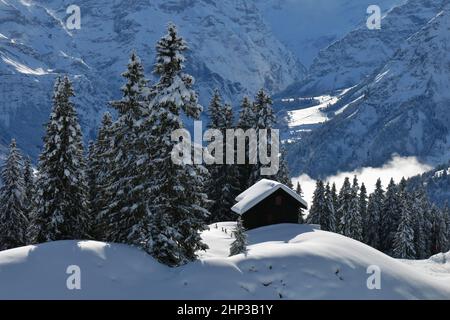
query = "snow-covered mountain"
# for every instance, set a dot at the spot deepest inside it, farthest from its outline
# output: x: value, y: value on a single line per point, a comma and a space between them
x: 232, y: 48
x: 436, y: 182
x: 401, y: 109
x: 284, y: 262
x: 307, y: 26
x: 348, y: 61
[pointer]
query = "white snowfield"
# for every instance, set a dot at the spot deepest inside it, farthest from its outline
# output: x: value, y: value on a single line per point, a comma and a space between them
x: 284, y: 262
x: 303, y: 119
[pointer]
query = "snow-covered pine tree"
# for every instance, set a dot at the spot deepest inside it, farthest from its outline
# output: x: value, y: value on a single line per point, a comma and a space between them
x: 374, y: 212
x: 345, y: 202
x: 283, y: 175
x: 446, y: 213
x: 363, y: 206
x: 98, y: 172
x: 91, y: 179
x: 403, y: 245
x: 335, y: 199
x: 439, y: 233
x: 239, y: 245
x: 419, y: 206
x: 232, y: 181
x: 428, y: 223
x: 177, y: 195
x: 246, y: 121
x: 442, y: 236
x: 264, y: 119
x: 216, y: 121
x: 224, y: 178
x: 216, y: 111
x: 351, y: 220
x: 90, y: 174
x: 28, y: 180
x: 247, y: 116
x: 319, y: 205
x: 390, y: 217
x: 13, y: 220
x: 125, y: 214
x: 330, y: 221
x: 61, y: 209
x: 301, y: 214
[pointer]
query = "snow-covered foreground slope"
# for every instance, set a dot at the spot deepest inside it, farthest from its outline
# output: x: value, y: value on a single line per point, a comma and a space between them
x: 284, y: 262
x: 437, y: 266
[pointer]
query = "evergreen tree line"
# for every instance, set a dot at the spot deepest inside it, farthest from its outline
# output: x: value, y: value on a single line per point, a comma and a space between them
x: 227, y: 181
x: 127, y: 189
x: 397, y: 221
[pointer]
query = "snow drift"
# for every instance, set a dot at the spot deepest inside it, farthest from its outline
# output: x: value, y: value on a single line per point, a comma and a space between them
x: 284, y: 262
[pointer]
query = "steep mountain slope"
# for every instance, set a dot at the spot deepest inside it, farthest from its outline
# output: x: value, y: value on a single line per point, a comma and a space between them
x: 402, y: 108
x: 436, y: 182
x: 307, y: 26
x: 231, y: 48
x: 350, y: 60
x: 284, y: 262
x: 34, y: 47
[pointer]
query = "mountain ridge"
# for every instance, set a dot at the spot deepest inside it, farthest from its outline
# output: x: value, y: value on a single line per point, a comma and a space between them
x: 400, y: 110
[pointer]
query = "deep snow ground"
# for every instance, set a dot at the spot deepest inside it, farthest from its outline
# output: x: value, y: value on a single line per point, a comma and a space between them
x: 284, y: 262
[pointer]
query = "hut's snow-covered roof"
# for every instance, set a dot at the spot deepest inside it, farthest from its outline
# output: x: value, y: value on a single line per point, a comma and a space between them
x: 258, y: 192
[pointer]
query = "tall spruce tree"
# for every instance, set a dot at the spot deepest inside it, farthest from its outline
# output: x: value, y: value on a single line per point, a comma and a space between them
x: 374, y: 215
x: 301, y: 214
x: 246, y: 121
x: 420, y: 205
x: 28, y: 180
x: 390, y: 217
x: 13, y: 220
x: 224, y: 178
x: 345, y: 203
x: 92, y: 191
x: 283, y: 175
x: 335, y: 199
x: 98, y: 171
x: 239, y: 245
x: 61, y: 209
x: 264, y: 120
x: 319, y: 205
x: 403, y: 245
x: 351, y: 220
x: 177, y: 195
x: 439, y: 233
x: 330, y: 221
x: 428, y: 229
x: 125, y: 214
x: 363, y: 206
x: 446, y: 213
